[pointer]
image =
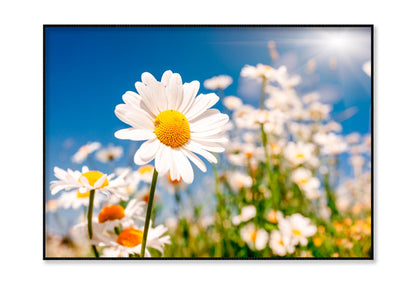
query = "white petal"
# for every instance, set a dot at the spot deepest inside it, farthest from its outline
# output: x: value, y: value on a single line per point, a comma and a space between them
x: 146, y: 95
x: 136, y: 117
x: 194, y: 147
x: 174, y: 92
x: 211, y: 118
x: 211, y: 146
x: 134, y: 134
x: 147, y: 151
x: 132, y: 98
x: 100, y: 181
x: 163, y: 160
x: 210, y: 139
x: 85, y: 169
x: 148, y: 78
x: 201, y: 104
x: 186, y: 171
x: 166, y: 77
x: 190, y: 90
x: 195, y: 159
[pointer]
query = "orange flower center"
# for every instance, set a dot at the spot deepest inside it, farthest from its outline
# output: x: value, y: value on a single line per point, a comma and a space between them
x: 93, y: 176
x: 174, y: 181
x: 111, y: 212
x: 172, y: 128
x: 253, y: 236
x: 130, y: 237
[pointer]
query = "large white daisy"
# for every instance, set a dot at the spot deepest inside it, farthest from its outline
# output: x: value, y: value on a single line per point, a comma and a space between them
x: 175, y: 124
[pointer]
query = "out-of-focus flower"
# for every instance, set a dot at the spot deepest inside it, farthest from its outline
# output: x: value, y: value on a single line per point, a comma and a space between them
x: 129, y: 241
x: 310, y: 66
x: 285, y: 80
x: 310, y: 97
x: 218, y: 82
x: 115, y: 215
x: 318, y: 111
x: 261, y: 72
x: 367, y: 68
x: 174, y: 122
x: 52, y: 205
x: 239, y: 180
x: 145, y: 173
x: 298, y: 153
x: 353, y: 138
x: 306, y: 182
x: 85, y: 151
x: 110, y: 153
x: 256, y: 239
x: 274, y: 55
x: 281, y: 244
x: 331, y: 143
x: 87, y: 181
x: 247, y: 213
x: 298, y: 227
x: 357, y: 162
x: 274, y: 216
x: 232, y: 102
x: 75, y: 199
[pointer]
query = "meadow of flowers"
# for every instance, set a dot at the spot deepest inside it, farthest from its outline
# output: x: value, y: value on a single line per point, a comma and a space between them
x: 272, y: 184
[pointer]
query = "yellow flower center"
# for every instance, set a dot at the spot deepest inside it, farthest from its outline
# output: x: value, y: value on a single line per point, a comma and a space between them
x: 172, y: 128
x: 93, y: 176
x: 130, y: 237
x: 296, y: 232
x: 300, y: 156
x: 111, y: 212
x: 83, y: 195
x: 145, y: 169
x: 253, y: 236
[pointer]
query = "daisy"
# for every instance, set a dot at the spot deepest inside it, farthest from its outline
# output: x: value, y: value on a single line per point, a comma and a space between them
x: 255, y: 239
x: 115, y: 215
x: 85, y: 151
x: 110, y: 153
x: 175, y: 124
x: 261, y: 71
x: 129, y: 240
x: 247, y: 213
x: 306, y: 182
x: 298, y: 153
x: 281, y: 243
x: 331, y: 143
x: 298, y: 227
x: 232, y: 102
x: 87, y: 181
x: 239, y: 180
x: 218, y: 82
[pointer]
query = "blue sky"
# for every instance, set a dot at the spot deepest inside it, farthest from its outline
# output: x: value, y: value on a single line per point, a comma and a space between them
x: 88, y: 69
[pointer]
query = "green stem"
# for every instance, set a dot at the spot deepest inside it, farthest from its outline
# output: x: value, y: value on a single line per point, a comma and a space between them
x: 272, y: 182
x: 262, y: 94
x: 220, y: 211
x: 149, y: 212
x: 89, y: 216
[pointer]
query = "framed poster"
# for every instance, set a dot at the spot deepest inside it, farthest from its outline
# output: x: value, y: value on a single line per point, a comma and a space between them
x: 208, y: 142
